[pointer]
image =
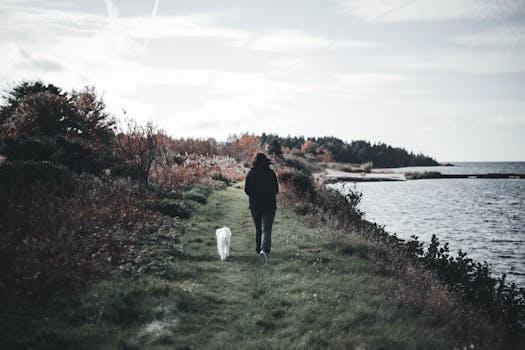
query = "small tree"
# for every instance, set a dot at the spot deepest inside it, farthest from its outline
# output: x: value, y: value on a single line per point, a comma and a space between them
x: 135, y: 149
x: 40, y: 122
x: 14, y: 96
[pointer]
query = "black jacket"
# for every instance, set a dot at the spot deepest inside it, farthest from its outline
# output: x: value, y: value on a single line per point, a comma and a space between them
x: 261, y: 185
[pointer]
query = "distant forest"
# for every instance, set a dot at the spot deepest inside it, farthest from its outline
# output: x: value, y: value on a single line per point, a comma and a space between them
x: 357, y: 152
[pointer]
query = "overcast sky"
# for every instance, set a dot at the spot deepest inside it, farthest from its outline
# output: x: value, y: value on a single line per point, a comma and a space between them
x: 442, y: 77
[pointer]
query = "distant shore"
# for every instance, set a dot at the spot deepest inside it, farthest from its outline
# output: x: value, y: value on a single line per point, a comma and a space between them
x: 334, y: 175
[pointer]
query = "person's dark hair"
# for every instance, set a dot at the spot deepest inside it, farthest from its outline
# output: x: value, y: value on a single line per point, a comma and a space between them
x: 260, y: 160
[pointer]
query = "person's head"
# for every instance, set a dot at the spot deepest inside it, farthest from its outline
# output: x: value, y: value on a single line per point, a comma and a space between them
x: 260, y: 160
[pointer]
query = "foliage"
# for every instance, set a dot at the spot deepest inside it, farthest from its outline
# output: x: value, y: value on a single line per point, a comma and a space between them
x: 341, y: 207
x: 136, y: 149
x: 208, y: 147
x: 174, y: 208
x: 328, y: 149
x: 304, y: 208
x: 219, y: 176
x: 15, y: 176
x: 244, y: 147
x: 198, y: 194
x: 274, y: 148
x: 40, y: 122
x: 196, y: 169
x: 55, y: 237
x: 300, y: 164
x: 300, y: 184
x: 202, y: 189
x: 14, y: 96
x: 504, y: 302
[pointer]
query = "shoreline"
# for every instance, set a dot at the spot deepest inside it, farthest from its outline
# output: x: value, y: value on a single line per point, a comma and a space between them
x: 331, y: 175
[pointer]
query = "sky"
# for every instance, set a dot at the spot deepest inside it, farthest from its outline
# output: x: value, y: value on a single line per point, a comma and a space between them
x: 441, y: 77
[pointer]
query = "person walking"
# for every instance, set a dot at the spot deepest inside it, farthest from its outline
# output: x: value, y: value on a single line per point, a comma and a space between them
x: 261, y: 187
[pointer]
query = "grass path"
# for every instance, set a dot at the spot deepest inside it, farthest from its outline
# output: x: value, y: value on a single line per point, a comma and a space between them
x: 318, y: 290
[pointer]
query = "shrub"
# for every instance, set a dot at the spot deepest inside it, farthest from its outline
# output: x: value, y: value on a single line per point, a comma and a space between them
x: 219, y: 176
x: 298, y: 165
x: 302, y: 184
x: 304, y: 208
x: 339, y: 206
x: 195, y: 196
x: 285, y: 177
x: 174, y: 208
x: 29, y: 148
x: 198, y: 193
x: 297, y: 187
x: 136, y: 149
x: 19, y: 176
x: 202, y: 189
x: 473, y: 280
x: 55, y: 240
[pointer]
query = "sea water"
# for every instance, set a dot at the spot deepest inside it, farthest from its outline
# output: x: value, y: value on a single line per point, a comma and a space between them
x: 483, y: 217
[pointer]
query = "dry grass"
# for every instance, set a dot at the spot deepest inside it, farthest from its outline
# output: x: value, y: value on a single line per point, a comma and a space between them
x: 191, y: 169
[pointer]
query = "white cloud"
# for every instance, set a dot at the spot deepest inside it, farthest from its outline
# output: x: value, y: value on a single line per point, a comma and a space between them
x: 295, y: 41
x: 191, y: 26
x: 479, y: 62
x: 109, y: 54
x: 500, y: 37
x: 507, y: 121
x: 428, y: 10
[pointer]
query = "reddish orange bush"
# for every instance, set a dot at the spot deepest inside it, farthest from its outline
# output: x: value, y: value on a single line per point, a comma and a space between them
x: 308, y: 146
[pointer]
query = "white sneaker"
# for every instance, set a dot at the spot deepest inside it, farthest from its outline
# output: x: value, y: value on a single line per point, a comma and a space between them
x: 263, y: 256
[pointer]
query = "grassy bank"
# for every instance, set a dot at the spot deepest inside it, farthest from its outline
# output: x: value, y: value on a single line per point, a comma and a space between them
x: 320, y: 290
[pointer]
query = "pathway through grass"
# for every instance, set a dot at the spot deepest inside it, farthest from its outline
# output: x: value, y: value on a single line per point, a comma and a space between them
x: 318, y: 290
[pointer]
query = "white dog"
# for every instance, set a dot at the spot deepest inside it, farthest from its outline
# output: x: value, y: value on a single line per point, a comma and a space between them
x: 223, y: 242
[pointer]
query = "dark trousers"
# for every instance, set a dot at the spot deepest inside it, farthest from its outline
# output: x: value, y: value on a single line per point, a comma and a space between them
x: 263, y: 220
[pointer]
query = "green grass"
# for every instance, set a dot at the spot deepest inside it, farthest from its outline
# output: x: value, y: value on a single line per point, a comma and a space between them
x: 320, y: 290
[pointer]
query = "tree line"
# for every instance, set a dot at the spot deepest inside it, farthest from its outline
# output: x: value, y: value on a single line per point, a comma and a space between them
x: 357, y: 152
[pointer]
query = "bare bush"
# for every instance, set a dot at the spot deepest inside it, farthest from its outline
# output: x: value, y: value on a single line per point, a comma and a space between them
x: 135, y: 148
